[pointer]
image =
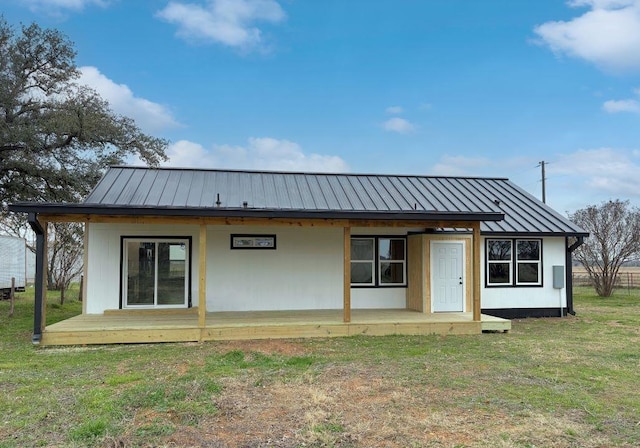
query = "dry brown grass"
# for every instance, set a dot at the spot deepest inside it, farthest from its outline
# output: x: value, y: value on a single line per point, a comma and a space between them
x: 366, y: 406
x: 624, y: 269
x: 558, y: 383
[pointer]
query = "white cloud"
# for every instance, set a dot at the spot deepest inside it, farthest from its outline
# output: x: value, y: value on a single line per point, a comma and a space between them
x: 574, y: 180
x: 613, y: 106
x: 186, y: 154
x: 57, y: 6
x: 607, y: 35
x: 399, y: 125
x: 151, y: 117
x: 460, y: 166
x: 228, y: 22
x: 603, y: 171
x: 394, y: 110
x: 263, y: 153
x: 628, y: 105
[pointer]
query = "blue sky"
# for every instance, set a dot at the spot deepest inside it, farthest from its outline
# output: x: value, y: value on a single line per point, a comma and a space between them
x: 446, y: 87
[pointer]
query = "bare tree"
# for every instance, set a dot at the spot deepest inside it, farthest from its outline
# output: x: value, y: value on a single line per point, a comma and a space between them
x: 65, y: 255
x: 614, y: 227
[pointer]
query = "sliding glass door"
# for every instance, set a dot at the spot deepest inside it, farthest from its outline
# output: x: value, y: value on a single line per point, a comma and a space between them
x: 155, y: 272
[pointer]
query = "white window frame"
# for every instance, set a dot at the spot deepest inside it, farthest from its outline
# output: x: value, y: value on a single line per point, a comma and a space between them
x: 518, y: 262
x: 125, y: 276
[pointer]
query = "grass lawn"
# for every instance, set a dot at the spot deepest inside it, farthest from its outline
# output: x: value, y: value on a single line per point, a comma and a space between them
x: 571, y: 382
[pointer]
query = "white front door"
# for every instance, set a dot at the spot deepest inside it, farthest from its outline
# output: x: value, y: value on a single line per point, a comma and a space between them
x: 447, y: 276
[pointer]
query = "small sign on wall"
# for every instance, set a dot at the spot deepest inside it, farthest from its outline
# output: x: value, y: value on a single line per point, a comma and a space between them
x: 253, y: 241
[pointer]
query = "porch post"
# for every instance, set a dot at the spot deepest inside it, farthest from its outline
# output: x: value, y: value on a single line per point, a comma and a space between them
x: 85, y: 268
x: 45, y: 273
x: 40, y: 286
x: 347, y: 275
x: 202, y: 274
x: 476, y: 272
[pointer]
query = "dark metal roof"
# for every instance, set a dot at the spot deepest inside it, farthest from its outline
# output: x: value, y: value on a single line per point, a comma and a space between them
x: 196, y: 192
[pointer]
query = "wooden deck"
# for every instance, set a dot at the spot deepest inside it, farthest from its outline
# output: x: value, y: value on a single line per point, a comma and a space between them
x: 165, y: 326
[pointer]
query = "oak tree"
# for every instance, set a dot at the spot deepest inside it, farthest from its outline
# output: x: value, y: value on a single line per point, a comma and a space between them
x: 56, y: 134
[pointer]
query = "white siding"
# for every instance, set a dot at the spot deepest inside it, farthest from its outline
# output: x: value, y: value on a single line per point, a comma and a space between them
x: 553, y: 254
x: 378, y: 298
x: 304, y: 272
x: 103, y: 270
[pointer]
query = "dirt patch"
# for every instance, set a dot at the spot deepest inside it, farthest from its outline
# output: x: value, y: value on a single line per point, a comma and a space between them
x: 365, y: 407
x: 266, y: 347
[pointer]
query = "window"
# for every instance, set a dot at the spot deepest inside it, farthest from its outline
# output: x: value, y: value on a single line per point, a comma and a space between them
x: 391, y: 259
x: 362, y: 261
x: 155, y: 272
x: 378, y: 261
x: 499, y: 262
x: 506, y: 268
x: 528, y: 262
x: 253, y: 242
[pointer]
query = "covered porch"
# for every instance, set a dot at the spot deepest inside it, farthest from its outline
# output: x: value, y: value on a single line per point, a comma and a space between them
x: 196, y: 324
x: 153, y: 326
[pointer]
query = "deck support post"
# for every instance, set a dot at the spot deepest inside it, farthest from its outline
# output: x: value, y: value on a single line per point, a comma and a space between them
x: 476, y: 272
x: 85, y: 268
x: 40, y: 286
x: 202, y: 277
x: 347, y: 275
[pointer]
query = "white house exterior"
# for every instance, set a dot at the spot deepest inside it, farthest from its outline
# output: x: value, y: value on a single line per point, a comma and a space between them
x: 167, y: 240
x: 312, y: 260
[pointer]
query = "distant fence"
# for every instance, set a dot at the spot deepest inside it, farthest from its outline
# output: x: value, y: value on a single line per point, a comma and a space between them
x: 626, y: 280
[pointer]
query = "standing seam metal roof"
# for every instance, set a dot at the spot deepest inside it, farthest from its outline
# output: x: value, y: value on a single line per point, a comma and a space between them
x: 133, y: 187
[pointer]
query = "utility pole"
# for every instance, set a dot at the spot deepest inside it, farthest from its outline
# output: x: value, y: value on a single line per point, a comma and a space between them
x: 544, y: 178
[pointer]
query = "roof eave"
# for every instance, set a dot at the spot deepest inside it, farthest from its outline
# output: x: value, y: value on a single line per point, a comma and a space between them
x: 515, y: 234
x: 405, y: 215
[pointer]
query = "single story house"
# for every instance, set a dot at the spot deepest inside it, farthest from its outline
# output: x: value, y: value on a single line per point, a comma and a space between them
x: 205, y: 254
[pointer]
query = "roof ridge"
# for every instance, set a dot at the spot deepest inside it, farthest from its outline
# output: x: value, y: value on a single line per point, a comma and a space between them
x: 310, y: 173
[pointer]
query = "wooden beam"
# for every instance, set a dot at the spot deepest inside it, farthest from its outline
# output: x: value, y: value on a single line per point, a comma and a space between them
x: 284, y: 222
x: 411, y: 223
x: 85, y: 268
x: 476, y: 273
x: 202, y: 276
x: 347, y: 275
x: 196, y: 220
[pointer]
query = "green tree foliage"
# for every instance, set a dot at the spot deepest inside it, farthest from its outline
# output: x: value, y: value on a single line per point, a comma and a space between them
x: 56, y: 136
x: 614, y: 229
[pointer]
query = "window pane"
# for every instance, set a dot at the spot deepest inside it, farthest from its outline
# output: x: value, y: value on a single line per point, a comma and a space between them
x: 528, y: 272
x: 391, y: 273
x: 499, y: 250
x: 499, y: 272
x: 171, y: 273
x: 528, y: 250
x: 361, y: 272
x: 140, y: 273
x: 391, y: 249
x: 362, y: 249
